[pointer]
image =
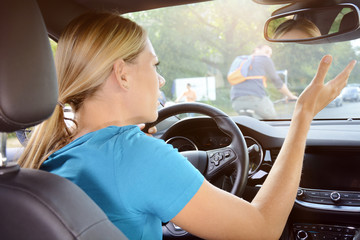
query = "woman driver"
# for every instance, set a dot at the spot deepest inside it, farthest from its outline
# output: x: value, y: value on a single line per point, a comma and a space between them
x: 107, y: 73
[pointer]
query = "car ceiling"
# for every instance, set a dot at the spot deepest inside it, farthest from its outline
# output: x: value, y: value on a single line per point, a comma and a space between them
x: 58, y: 13
x: 131, y: 6
x: 275, y: 2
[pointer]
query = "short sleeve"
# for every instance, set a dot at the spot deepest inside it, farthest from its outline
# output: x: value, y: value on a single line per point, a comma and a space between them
x: 162, y: 181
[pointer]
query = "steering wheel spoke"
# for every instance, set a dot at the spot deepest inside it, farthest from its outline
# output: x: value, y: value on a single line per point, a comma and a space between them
x: 219, y: 161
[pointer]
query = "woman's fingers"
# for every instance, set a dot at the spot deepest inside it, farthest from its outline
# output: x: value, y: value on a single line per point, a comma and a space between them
x: 141, y: 126
x: 340, y: 81
x: 151, y: 130
x: 318, y: 95
x: 342, y: 77
x: 333, y: 88
x: 323, y: 69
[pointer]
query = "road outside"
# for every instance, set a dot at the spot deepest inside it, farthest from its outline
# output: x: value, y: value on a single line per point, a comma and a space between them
x: 13, y: 142
x: 347, y: 110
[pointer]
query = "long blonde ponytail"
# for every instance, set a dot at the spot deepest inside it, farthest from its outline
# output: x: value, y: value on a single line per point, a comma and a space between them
x: 86, y: 51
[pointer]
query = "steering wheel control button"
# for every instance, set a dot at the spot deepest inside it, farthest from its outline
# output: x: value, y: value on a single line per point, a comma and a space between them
x: 216, y: 158
x: 211, y: 166
x: 335, y: 196
x: 314, y: 194
x: 325, y: 194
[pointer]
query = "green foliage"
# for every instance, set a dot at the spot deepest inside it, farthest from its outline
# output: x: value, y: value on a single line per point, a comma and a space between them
x: 199, y: 40
x: 302, y: 67
x: 53, y: 45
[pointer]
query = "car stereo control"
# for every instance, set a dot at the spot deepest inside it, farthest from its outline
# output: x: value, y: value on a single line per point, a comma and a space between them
x: 300, y: 193
x: 310, y: 231
x: 329, y: 197
x: 302, y: 235
x: 335, y: 196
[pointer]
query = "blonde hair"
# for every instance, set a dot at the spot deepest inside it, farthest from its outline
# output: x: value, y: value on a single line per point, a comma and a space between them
x: 302, y: 24
x: 86, y: 52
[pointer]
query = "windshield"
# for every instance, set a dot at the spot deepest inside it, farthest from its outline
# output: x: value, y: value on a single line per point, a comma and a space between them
x: 198, y: 43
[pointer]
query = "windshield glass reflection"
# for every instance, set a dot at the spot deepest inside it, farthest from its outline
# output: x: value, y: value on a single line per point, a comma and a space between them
x: 197, y: 45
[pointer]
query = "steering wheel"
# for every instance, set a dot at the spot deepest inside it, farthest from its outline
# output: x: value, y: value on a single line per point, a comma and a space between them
x: 213, y: 163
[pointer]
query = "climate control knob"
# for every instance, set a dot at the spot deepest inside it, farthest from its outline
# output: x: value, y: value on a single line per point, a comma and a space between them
x: 300, y: 193
x: 302, y: 235
x: 335, y: 196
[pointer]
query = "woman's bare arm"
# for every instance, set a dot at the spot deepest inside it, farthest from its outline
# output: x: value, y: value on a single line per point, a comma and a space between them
x: 216, y: 214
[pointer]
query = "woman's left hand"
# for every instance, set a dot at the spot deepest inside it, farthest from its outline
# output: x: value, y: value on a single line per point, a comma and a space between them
x: 151, y: 130
x: 318, y: 94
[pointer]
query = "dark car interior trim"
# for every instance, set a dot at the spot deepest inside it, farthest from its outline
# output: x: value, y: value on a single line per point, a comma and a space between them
x: 58, y: 13
x: 36, y: 204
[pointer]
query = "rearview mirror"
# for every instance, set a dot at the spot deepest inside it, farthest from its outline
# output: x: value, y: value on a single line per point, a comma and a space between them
x: 312, y: 23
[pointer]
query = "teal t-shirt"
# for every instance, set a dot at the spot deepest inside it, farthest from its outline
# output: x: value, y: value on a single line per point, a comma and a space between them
x: 137, y: 180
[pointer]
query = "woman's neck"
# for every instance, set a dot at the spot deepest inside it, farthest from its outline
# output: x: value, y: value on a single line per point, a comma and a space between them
x: 95, y: 114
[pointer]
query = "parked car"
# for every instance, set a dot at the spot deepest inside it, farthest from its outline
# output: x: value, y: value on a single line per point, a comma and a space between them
x: 193, y: 38
x: 337, y: 102
x: 351, y: 94
x: 354, y: 85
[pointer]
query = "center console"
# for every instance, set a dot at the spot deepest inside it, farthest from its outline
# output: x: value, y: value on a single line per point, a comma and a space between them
x: 330, y: 191
x: 304, y: 231
x: 329, y: 199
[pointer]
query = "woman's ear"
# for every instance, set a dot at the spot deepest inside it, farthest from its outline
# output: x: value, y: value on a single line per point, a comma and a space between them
x: 120, y: 73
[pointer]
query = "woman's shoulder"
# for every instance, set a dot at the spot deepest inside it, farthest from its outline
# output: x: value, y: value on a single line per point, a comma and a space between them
x: 127, y: 137
x: 115, y: 142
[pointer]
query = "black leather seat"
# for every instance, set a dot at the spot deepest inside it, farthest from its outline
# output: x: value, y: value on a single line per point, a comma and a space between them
x: 35, y: 204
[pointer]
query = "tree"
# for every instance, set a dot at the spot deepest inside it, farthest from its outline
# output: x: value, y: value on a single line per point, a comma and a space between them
x: 203, y: 39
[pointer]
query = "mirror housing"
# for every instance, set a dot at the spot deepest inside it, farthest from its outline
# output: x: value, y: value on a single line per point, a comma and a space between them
x: 309, y: 24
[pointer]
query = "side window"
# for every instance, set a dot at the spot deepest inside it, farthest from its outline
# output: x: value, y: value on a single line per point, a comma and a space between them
x: 344, y: 13
x: 53, y: 46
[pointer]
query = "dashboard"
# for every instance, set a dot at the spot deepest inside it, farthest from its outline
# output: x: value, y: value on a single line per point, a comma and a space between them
x: 328, y: 202
x: 208, y: 138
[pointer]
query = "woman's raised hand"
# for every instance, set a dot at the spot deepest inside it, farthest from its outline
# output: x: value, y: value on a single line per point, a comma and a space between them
x: 318, y: 94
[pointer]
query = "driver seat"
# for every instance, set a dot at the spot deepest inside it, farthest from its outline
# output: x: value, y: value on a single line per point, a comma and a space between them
x: 35, y: 204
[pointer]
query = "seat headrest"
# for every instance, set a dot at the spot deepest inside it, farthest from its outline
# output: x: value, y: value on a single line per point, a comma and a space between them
x: 28, y: 85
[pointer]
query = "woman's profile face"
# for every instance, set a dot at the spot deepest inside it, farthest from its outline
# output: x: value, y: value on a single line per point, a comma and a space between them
x: 295, y: 34
x: 145, y: 85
